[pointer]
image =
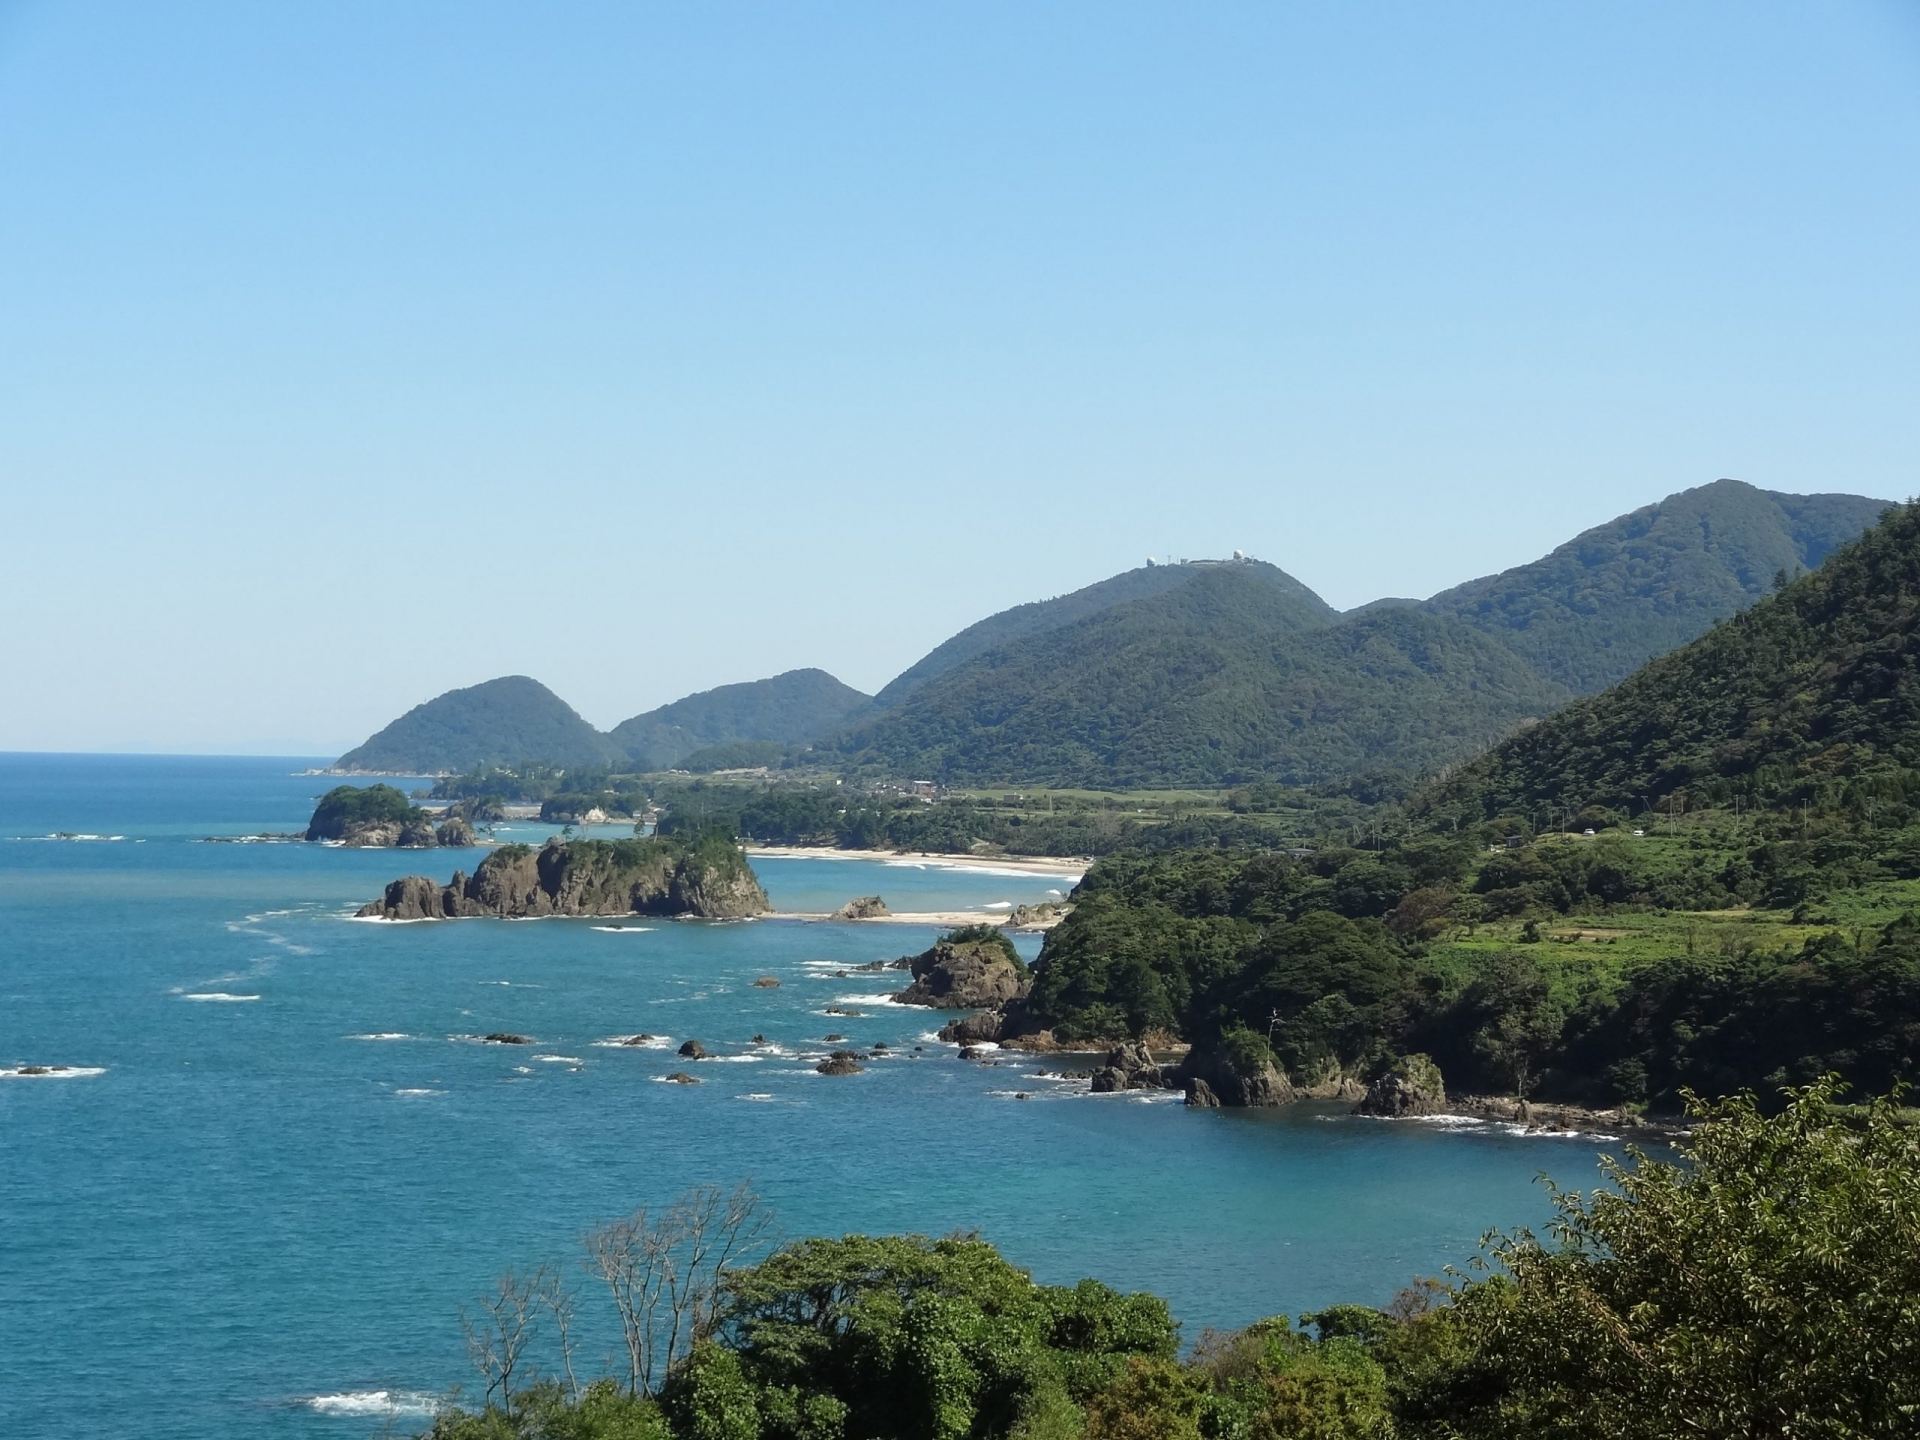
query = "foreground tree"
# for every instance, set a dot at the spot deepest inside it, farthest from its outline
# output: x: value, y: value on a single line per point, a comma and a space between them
x: 1768, y: 1286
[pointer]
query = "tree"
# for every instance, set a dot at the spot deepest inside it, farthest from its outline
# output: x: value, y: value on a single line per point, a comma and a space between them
x: 664, y: 1273
x: 1511, y: 1019
x: 1768, y: 1286
x: 503, y: 1324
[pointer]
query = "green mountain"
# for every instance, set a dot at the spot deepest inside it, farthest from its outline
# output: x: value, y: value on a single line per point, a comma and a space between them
x: 500, y: 721
x: 1042, y: 616
x: 1190, y: 675
x: 1812, y: 695
x: 1236, y: 671
x: 1609, y: 600
x: 788, y: 709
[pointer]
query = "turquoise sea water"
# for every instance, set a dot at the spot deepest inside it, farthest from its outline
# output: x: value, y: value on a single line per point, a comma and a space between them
x: 256, y: 1217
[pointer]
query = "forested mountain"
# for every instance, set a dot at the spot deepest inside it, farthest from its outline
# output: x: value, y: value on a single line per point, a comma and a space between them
x: 1813, y: 690
x: 1609, y: 600
x: 788, y: 709
x: 499, y: 721
x: 514, y: 719
x: 1161, y: 676
x: 1042, y: 616
x: 1236, y: 672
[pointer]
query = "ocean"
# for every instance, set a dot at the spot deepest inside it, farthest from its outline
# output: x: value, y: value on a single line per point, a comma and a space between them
x: 282, y: 1160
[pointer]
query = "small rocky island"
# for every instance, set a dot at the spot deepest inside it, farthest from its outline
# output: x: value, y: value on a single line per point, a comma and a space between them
x: 970, y: 969
x: 662, y: 877
x: 380, y: 817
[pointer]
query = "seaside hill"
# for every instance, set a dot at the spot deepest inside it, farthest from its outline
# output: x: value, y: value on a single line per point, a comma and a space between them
x: 1232, y: 674
x: 1597, y: 608
x: 1812, y: 692
x: 787, y: 709
x: 1041, y: 617
x: 503, y: 721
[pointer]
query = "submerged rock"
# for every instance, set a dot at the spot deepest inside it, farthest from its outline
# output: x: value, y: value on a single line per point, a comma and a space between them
x: 680, y: 1077
x: 766, y: 982
x: 506, y: 1037
x: 641, y: 1039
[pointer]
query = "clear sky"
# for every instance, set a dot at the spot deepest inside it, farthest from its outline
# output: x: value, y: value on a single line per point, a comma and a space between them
x: 353, y: 351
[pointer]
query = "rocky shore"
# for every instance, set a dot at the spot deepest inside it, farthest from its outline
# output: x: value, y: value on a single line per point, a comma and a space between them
x: 584, y: 878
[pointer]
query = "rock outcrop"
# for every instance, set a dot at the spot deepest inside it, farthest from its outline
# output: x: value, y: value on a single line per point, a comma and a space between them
x: 1237, y: 1070
x: 841, y: 1062
x: 693, y: 1050
x: 973, y: 969
x: 1128, y: 1067
x: 867, y: 907
x: 584, y: 877
x: 974, y: 1029
x: 1410, y: 1086
x: 454, y: 833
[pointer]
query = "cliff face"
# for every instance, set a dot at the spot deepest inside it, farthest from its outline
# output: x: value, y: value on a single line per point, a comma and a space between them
x: 586, y: 877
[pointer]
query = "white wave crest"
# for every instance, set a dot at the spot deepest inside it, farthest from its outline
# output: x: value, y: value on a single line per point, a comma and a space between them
x: 50, y: 1072
x: 559, y: 1059
x: 374, y: 1402
x: 885, y: 998
x: 219, y: 997
x: 998, y: 905
x: 382, y: 1035
x: 622, y: 929
x: 418, y: 1092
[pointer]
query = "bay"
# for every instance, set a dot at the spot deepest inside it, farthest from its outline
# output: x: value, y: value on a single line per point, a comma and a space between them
x: 296, y: 1161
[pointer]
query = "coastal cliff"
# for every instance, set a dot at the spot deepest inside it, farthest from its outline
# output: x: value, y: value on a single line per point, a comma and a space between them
x: 586, y: 878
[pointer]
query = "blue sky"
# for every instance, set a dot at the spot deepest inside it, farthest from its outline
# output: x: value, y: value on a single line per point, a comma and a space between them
x: 350, y: 352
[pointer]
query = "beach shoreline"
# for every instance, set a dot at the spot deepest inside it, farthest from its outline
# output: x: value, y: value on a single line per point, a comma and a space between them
x: 942, y: 919
x: 1059, y: 867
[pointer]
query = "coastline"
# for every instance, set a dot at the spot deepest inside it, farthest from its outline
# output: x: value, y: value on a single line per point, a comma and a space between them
x: 1060, y: 867
x: 943, y: 919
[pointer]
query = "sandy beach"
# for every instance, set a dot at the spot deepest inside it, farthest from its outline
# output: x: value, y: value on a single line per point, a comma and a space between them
x: 1057, y: 867
x: 944, y: 919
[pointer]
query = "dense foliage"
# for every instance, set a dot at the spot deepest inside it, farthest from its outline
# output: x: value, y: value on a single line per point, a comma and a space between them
x: 345, y: 806
x: 1810, y: 697
x: 1609, y: 600
x: 1041, y: 616
x: 1345, y: 959
x: 1235, y: 675
x: 794, y: 812
x: 1766, y: 1284
x: 502, y: 721
x: 789, y: 709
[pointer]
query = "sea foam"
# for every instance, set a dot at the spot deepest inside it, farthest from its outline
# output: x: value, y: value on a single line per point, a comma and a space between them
x: 374, y: 1402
